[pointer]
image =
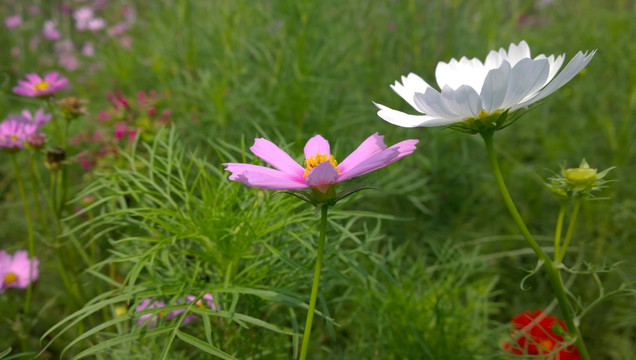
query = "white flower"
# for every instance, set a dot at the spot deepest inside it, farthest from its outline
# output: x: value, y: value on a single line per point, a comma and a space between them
x: 471, y: 90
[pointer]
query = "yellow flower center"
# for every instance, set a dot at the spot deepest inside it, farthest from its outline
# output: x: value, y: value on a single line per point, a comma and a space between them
x: 313, y: 161
x: 41, y: 86
x: 483, y: 114
x: 10, y: 278
x: 546, y: 345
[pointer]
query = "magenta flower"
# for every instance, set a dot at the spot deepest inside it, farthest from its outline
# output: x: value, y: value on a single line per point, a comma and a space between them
x: 15, y: 270
x: 50, y: 30
x: 206, y: 301
x: 15, y: 130
x: 13, y: 21
x: 321, y: 168
x: 39, y: 118
x: 150, y: 304
x: 35, y: 86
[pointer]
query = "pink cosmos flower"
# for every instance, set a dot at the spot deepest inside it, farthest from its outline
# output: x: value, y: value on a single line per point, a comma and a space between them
x: 50, y: 30
x: 321, y: 168
x: 39, y: 118
x: 206, y: 301
x: 150, y: 304
x: 13, y: 21
x: 15, y: 270
x: 15, y: 130
x: 35, y: 86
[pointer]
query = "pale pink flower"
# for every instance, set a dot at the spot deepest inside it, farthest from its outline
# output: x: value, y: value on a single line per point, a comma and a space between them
x: 88, y: 49
x: 321, y: 168
x: 14, y: 132
x: 17, y: 271
x: 150, y: 304
x: 50, y: 30
x: 38, y: 118
x: 35, y: 86
x: 13, y: 21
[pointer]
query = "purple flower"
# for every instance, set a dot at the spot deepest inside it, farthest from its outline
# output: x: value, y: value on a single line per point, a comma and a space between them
x: 150, y: 304
x: 321, y: 168
x: 205, y: 301
x: 50, y: 30
x: 15, y: 270
x: 13, y: 21
x: 35, y: 86
x: 39, y: 118
x: 14, y: 131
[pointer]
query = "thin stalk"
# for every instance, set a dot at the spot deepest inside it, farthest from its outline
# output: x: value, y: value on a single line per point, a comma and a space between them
x: 56, y: 124
x: 568, y: 235
x: 34, y: 192
x: 559, y: 228
x: 30, y: 238
x: 314, y: 286
x: 553, y: 272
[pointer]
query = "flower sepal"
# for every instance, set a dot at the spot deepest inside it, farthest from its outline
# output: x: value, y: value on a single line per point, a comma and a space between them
x: 487, y: 122
x: 319, y: 198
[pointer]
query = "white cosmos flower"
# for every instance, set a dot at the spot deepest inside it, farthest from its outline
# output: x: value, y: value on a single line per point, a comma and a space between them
x: 471, y: 90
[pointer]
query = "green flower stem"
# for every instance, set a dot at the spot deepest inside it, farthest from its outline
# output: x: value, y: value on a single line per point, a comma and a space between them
x: 553, y: 272
x: 559, y: 228
x: 58, y: 131
x: 314, y: 286
x: 34, y: 192
x: 558, y: 256
x: 30, y: 239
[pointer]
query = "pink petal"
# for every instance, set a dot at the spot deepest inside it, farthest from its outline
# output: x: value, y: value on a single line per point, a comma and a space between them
x: 372, y: 145
x: 276, y: 157
x: 51, y: 77
x: 317, y: 145
x: 380, y: 159
x: 33, y: 78
x: 324, y: 173
x: 262, y: 177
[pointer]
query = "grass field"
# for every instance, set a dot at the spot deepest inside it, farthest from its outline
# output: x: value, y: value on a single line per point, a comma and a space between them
x: 427, y: 266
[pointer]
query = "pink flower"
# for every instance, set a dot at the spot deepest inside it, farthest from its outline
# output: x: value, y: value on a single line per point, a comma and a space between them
x: 88, y: 49
x: 205, y: 301
x: 321, y: 168
x: 13, y: 21
x: 150, y: 304
x: 35, y: 86
x: 50, y: 30
x: 15, y: 130
x: 15, y: 270
x: 39, y: 118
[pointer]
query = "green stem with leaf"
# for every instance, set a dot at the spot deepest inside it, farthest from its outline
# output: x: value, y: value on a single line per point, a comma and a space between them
x: 314, y: 286
x: 552, y: 269
x: 30, y: 238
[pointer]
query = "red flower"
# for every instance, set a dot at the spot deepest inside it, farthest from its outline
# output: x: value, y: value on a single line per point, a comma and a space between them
x: 538, y: 333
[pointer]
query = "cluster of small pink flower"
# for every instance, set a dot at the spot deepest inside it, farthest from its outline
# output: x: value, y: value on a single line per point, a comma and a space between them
x: 120, y: 125
x: 151, y: 319
x: 91, y: 20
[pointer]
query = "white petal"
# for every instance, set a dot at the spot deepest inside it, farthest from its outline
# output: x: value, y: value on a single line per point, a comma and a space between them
x: 410, y: 84
x: 465, y: 102
x: 495, y: 87
x: 526, y: 78
x: 578, y: 62
x: 463, y: 72
x: 431, y: 103
x: 409, y: 121
x: 517, y: 53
